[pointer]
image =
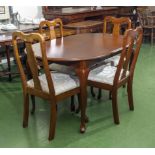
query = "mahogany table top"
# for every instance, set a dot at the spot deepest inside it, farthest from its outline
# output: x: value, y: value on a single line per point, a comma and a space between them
x: 87, y: 46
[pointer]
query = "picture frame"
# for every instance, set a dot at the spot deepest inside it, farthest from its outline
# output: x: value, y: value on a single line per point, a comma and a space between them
x: 2, y: 9
x: 4, y: 12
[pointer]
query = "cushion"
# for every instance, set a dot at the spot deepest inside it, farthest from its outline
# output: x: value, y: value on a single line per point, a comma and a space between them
x: 104, y: 74
x: 113, y: 60
x: 62, y: 82
x: 62, y: 68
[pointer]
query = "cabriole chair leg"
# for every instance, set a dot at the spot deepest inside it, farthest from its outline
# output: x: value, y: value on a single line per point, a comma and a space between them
x: 78, y: 108
x: 115, y: 107
x: 99, y: 94
x: 92, y: 91
x: 52, y: 121
x: 72, y: 105
x: 130, y: 95
x: 26, y: 111
x: 33, y: 104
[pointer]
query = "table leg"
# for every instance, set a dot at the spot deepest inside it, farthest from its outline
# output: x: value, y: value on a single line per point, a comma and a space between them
x: 82, y: 72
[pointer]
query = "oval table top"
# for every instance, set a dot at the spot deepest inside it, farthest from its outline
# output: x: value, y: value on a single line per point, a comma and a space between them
x: 81, y: 47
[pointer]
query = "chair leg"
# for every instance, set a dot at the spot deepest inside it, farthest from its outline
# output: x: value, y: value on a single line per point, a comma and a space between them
x: 130, y: 95
x: 33, y: 104
x: 78, y: 108
x: 99, y: 94
x: 26, y: 111
x: 110, y: 95
x: 92, y: 91
x: 115, y: 107
x: 52, y: 121
x: 72, y: 106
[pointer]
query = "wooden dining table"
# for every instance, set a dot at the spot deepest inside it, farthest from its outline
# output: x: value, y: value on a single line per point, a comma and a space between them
x: 81, y: 50
x: 6, y: 42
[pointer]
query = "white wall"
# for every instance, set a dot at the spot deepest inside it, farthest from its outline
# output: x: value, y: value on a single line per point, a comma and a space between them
x: 29, y: 11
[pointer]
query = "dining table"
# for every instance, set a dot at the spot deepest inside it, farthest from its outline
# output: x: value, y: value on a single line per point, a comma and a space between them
x: 6, y: 42
x: 82, y: 51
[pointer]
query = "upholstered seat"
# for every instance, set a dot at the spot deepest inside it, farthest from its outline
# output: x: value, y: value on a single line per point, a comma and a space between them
x: 62, y: 68
x: 104, y: 74
x: 62, y: 82
x: 113, y: 60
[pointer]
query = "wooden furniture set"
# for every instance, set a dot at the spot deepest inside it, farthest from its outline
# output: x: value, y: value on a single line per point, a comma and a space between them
x: 81, y: 52
x: 93, y: 46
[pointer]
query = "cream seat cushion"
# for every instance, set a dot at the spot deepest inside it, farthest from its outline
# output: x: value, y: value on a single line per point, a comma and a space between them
x: 113, y: 60
x: 62, y: 82
x: 62, y: 68
x: 104, y: 74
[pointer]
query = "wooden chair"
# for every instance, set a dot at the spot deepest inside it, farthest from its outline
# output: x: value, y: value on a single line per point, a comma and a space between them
x: 117, y: 24
x: 51, y: 86
x: 48, y: 30
x: 111, y: 78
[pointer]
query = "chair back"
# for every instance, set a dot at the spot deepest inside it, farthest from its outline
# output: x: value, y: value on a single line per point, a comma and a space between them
x: 47, y: 28
x: 117, y: 24
x: 131, y: 46
x: 29, y: 40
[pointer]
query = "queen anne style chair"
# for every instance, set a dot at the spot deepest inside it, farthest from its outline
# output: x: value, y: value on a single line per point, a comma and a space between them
x: 117, y: 24
x: 113, y: 77
x: 48, y: 30
x: 52, y: 86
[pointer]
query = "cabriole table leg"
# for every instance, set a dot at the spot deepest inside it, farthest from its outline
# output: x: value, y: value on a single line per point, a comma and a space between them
x: 82, y: 72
